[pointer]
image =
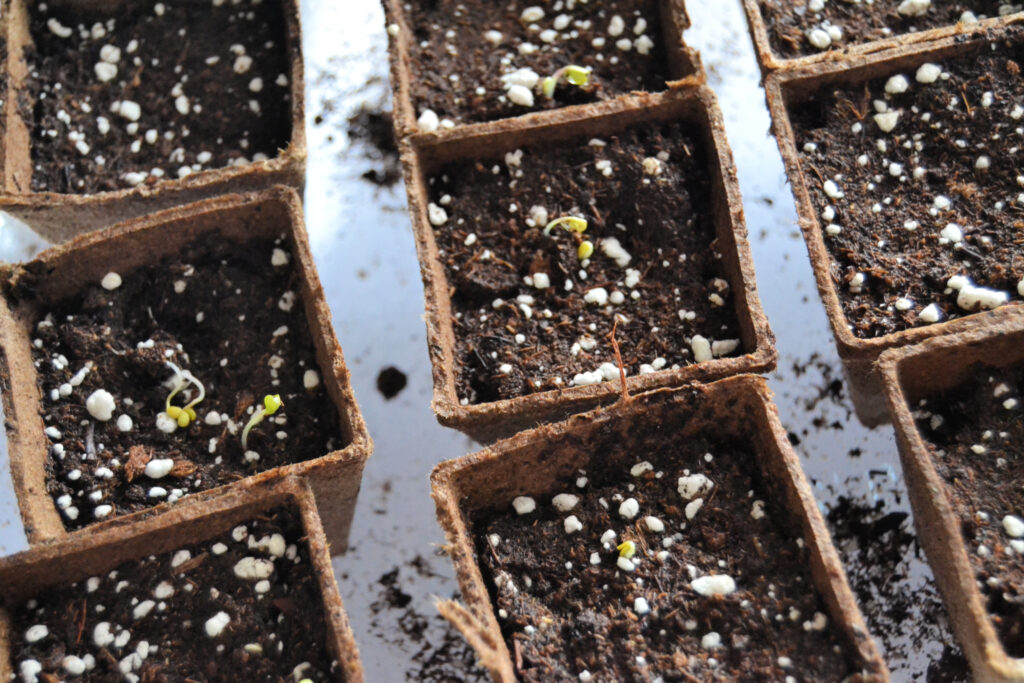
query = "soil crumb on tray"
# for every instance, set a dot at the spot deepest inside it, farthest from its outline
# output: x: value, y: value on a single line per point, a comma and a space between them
x: 488, y: 60
x: 974, y: 433
x: 244, y: 607
x: 915, y: 180
x: 677, y: 567
x: 534, y: 299
x: 390, y: 382
x: 118, y: 362
x: 154, y: 90
x: 798, y: 28
x: 376, y: 130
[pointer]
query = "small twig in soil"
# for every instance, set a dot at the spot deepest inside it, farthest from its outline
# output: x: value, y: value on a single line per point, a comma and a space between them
x: 90, y: 442
x: 519, y: 656
x: 81, y: 623
x: 499, y: 339
x: 618, y: 361
x: 821, y: 178
x: 859, y: 116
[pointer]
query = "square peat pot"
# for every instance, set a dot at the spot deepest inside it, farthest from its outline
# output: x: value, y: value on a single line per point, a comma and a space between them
x: 236, y: 588
x: 789, y: 34
x: 133, y: 359
x: 521, y: 305
x: 455, y: 63
x: 118, y: 108
x: 958, y: 408
x: 906, y: 184
x: 672, y: 535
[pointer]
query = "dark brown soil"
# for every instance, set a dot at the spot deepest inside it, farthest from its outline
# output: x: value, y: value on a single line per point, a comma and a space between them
x: 436, y: 651
x: 878, y: 549
x: 457, y: 73
x: 974, y: 433
x: 514, y: 339
x: 227, y: 327
x: 566, y: 607
x: 183, y: 56
x: 269, y: 634
x: 790, y: 21
x: 944, y: 129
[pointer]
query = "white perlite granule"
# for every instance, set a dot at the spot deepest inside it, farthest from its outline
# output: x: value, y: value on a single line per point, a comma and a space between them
x: 720, y: 584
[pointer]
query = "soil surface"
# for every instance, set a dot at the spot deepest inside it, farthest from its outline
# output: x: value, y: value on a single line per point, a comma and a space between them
x: 567, y: 605
x: 790, y: 23
x: 229, y: 316
x: 974, y: 434
x: 937, y: 196
x: 151, y: 619
x: 529, y: 315
x: 460, y: 53
x: 192, y: 86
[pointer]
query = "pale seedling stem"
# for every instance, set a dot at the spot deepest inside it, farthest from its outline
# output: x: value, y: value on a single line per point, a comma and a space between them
x: 578, y: 226
x: 271, y: 403
x: 183, y: 416
x: 570, y: 223
x: 573, y: 73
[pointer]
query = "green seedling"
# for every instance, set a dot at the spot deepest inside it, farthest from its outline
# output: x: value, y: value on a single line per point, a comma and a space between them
x: 570, y: 223
x: 574, y: 74
x: 185, y: 415
x: 271, y: 404
x: 578, y: 226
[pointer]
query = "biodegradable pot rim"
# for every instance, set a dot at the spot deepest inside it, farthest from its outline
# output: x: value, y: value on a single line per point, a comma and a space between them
x: 291, y: 492
x: 28, y: 449
x: 477, y: 620
x: 696, y: 102
x: 283, y: 162
x: 674, y: 17
x: 970, y: 620
x: 288, y: 165
x: 778, y: 85
x: 770, y: 63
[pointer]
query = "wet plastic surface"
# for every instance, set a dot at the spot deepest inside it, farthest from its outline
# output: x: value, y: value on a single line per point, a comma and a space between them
x: 363, y: 245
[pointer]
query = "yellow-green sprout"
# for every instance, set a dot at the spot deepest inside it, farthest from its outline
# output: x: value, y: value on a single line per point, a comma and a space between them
x: 585, y: 250
x: 271, y: 404
x: 547, y: 86
x: 626, y: 549
x: 570, y: 223
x: 573, y: 73
x: 577, y: 75
x: 185, y: 415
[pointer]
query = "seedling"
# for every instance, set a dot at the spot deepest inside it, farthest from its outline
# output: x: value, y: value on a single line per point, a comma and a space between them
x: 184, y: 416
x: 570, y: 223
x: 574, y: 74
x: 626, y: 549
x: 271, y: 404
x: 578, y: 226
